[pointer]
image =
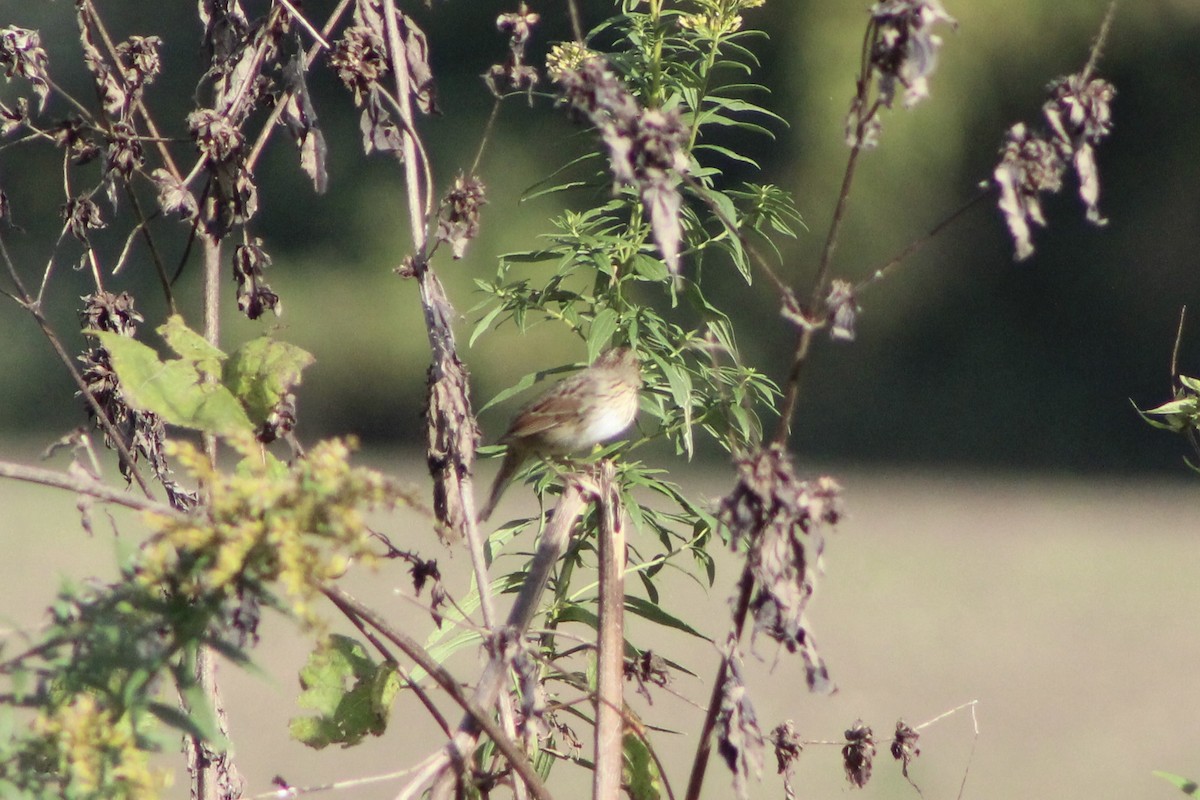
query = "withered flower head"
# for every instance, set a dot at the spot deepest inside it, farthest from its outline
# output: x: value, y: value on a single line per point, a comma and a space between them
x: 114, y: 313
x: 124, y: 152
x: 218, y: 139
x: 458, y: 222
x: 858, y: 754
x: 254, y: 296
x: 905, y: 48
x: 904, y: 745
x: 360, y: 60
x: 140, y: 64
x: 519, y: 26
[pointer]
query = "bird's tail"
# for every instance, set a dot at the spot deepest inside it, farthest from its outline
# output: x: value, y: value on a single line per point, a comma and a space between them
x: 512, y: 462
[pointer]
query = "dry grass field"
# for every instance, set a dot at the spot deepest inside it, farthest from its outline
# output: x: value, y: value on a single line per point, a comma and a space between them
x: 1067, y: 608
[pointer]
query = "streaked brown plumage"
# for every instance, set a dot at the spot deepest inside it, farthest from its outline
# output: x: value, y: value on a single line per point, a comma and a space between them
x: 588, y: 408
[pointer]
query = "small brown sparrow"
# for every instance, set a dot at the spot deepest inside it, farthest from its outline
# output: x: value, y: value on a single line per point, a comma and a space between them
x: 588, y: 408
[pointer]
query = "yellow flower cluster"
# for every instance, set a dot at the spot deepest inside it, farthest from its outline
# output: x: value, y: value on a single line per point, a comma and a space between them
x: 266, y: 522
x: 566, y: 57
x: 98, y: 756
x: 717, y: 18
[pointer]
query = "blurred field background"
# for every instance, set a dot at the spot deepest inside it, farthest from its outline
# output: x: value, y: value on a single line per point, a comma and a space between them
x: 1017, y: 534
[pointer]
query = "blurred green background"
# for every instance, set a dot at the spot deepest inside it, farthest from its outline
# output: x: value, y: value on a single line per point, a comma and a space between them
x: 963, y: 357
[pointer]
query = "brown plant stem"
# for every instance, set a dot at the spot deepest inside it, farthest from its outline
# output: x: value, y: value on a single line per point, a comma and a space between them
x: 704, y: 741
x: 804, y: 338
x: 610, y: 644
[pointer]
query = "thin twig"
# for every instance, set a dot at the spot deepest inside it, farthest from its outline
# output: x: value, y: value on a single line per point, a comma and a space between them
x: 1101, y: 38
x: 970, y: 704
x: 86, y: 486
x: 984, y: 191
x: 486, y: 138
x: 352, y: 783
x: 304, y: 23
x: 110, y: 430
x: 160, y: 267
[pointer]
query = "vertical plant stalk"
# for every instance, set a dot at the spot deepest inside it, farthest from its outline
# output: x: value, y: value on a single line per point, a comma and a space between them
x: 610, y: 644
x: 449, y: 398
x: 214, y: 774
x: 704, y: 745
x: 805, y: 336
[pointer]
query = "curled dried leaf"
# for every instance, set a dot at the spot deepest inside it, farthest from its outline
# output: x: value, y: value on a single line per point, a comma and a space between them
x: 904, y: 50
x: 1029, y: 165
x: 300, y: 117
x: 1079, y: 114
x: 82, y: 215
x: 781, y: 520
x: 843, y: 309
x: 22, y: 55
x: 173, y: 195
x: 739, y: 740
x: 788, y: 747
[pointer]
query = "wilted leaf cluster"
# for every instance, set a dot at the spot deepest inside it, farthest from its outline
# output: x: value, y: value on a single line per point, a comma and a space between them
x: 646, y: 147
x: 899, y: 53
x: 1078, y: 116
x: 780, y: 521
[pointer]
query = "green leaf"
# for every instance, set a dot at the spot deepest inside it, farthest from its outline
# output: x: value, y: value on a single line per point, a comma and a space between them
x: 175, y: 390
x: 1185, y: 785
x: 640, y: 774
x: 262, y: 371
x: 176, y: 718
x: 484, y: 323
x: 352, y: 695
x: 649, y: 611
x: 191, y: 346
x: 601, y: 330
x: 516, y: 388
